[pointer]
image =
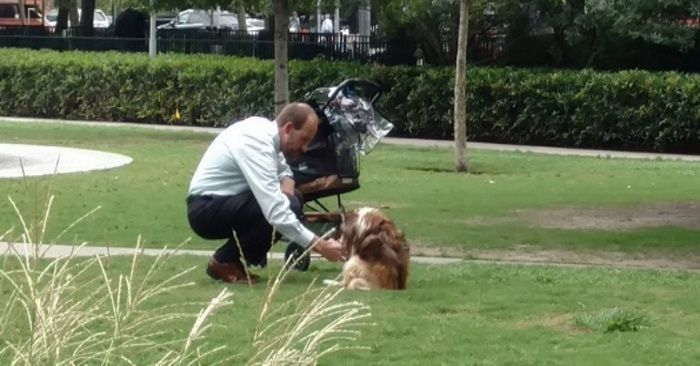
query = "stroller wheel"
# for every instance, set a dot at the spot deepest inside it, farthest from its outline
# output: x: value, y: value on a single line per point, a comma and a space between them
x: 295, y: 251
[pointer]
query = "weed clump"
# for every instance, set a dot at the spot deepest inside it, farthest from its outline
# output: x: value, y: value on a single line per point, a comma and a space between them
x: 612, y: 320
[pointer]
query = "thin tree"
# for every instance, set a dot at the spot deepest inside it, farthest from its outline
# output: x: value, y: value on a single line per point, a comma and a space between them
x: 87, y: 18
x: 280, y: 9
x: 460, y: 90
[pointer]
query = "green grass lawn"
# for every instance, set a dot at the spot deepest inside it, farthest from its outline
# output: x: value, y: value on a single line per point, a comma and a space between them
x: 499, y: 206
x: 461, y: 314
x: 457, y: 314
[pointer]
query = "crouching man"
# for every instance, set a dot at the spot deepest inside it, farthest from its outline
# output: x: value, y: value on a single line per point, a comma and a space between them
x: 243, y: 185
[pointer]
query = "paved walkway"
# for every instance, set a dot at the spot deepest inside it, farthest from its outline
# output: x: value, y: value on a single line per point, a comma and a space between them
x: 54, y: 251
x: 57, y: 250
x: 402, y: 141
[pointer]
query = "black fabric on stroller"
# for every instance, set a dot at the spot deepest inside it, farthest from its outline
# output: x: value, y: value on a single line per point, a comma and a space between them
x: 349, y: 126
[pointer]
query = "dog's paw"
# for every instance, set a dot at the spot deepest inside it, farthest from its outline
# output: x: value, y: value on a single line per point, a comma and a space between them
x: 359, y: 284
x: 331, y: 283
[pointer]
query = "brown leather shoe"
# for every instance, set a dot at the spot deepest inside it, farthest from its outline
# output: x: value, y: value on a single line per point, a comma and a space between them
x: 230, y: 272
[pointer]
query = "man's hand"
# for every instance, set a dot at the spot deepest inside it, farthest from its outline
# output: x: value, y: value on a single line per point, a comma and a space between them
x: 287, y: 185
x: 332, y: 250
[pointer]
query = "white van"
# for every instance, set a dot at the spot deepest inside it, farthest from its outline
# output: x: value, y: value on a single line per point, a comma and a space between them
x: 100, y: 19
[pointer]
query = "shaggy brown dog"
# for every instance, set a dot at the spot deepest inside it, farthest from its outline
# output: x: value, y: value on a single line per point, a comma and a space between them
x: 378, y: 252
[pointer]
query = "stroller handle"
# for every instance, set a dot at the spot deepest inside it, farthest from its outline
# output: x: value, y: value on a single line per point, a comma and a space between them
x: 351, y: 84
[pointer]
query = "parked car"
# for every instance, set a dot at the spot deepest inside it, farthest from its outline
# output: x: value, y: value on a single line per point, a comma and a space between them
x: 202, y: 19
x: 255, y: 25
x: 100, y: 19
x: 9, y: 13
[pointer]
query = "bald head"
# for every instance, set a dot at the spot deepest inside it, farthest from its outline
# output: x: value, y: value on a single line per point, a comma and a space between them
x: 298, y: 124
x: 298, y: 114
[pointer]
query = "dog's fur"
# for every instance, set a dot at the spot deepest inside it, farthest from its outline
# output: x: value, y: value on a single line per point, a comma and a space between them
x: 378, y: 252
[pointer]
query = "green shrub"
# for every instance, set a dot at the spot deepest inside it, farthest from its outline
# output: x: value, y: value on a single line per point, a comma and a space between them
x: 626, y: 110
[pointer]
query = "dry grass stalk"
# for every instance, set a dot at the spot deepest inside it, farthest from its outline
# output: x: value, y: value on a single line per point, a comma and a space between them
x: 68, y: 319
x: 316, y: 326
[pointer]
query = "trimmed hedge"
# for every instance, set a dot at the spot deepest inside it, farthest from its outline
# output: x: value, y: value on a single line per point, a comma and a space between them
x: 634, y: 110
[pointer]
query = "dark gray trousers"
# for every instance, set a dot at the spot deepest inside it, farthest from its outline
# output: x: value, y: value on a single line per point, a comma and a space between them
x: 217, y: 217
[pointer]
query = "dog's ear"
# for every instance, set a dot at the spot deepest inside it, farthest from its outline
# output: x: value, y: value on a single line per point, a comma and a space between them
x: 348, y: 231
x: 369, y: 249
x: 403, y: 252
x: 374, y: 248
x: 394, y: 261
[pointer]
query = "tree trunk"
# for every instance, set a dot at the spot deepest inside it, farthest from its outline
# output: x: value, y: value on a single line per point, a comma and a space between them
x: 87, y: 18
x: 22, y: 12
x: 280, y: 9
x: 430, y: 43
x: 73, y: 15
x: 62, y: 20
x: 460, y: 90
x: 240, y: 10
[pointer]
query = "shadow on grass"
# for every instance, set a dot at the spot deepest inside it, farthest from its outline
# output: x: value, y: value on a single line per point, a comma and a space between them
x: 471, y: 171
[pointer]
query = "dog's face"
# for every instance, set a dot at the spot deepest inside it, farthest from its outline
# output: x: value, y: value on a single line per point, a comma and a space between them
x: 373, y: 236
x: 367, y: 223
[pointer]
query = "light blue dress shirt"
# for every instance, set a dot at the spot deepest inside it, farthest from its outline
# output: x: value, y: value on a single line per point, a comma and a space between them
x: 246, y: 156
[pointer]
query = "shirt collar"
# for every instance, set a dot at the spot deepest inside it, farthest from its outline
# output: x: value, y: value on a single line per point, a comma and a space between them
x: 275, y: 136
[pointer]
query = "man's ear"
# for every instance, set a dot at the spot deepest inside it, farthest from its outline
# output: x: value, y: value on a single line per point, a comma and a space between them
x: 288, y: 127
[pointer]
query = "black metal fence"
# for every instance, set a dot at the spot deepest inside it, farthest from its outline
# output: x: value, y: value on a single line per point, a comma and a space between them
x: 303, y: 46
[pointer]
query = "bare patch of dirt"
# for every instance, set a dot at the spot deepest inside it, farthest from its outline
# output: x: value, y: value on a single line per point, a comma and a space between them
x: 379, y: 205
x: 529, y: 255
x: 679, y: 214
x: 609, y: 218
x: 559, y: 322
x: 607, y: 258
x: 420, y: 250
x: 489, y: 221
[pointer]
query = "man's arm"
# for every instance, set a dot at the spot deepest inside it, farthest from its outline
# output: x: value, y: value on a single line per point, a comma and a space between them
x: 283, y: 167
x: 287, y: 185
x: 285, y: 175
x: 259, y: 163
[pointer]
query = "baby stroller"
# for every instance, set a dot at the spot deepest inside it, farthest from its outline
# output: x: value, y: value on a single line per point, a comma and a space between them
x: 349, y: 126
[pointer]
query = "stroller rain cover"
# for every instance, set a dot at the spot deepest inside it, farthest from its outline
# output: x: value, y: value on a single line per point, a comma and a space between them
x: 350, y: 125
x: 356, y: 123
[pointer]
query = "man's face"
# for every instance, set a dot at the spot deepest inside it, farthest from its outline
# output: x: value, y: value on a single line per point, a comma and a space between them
x: 293, y: 142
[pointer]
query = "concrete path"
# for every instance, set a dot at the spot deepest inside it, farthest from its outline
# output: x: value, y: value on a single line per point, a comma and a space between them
x: 399, y: 141
x: 62, y: 251
x: 57, y: 250
x: 54, y: 251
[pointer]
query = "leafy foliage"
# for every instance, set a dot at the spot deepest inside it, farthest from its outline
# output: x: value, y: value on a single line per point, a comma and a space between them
x: 630, y: 109
x: 605, y: 34
x: 654, y: 21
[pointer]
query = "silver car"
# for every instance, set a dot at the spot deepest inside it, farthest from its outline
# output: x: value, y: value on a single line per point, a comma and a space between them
x: 100, y: 19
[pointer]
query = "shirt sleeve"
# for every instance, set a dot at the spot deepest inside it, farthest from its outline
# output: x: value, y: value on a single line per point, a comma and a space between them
x: 283, y: 168
x: 259, y: 164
